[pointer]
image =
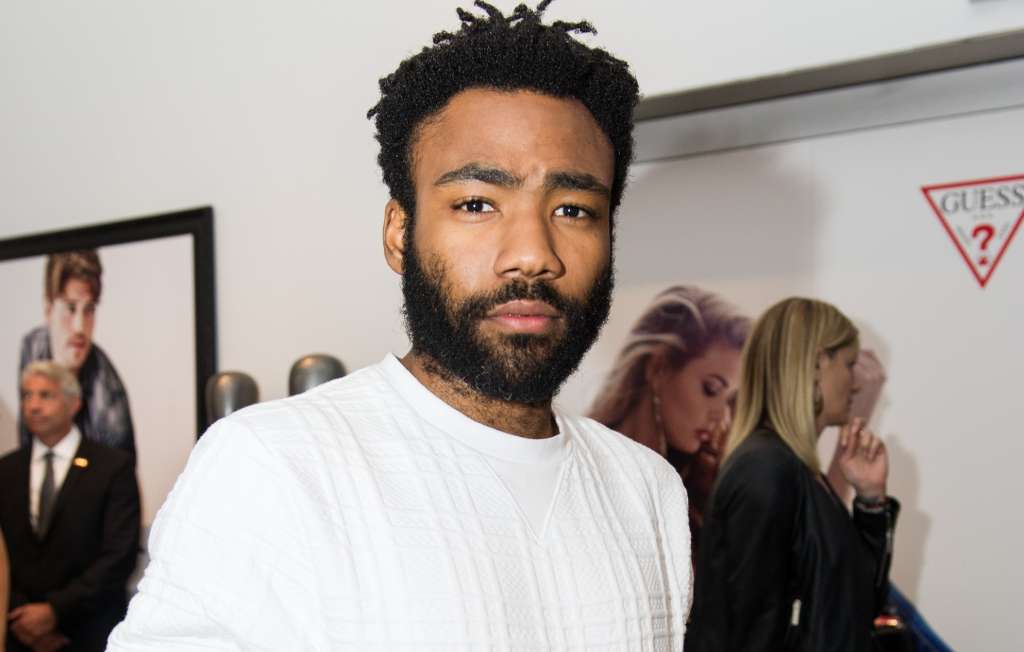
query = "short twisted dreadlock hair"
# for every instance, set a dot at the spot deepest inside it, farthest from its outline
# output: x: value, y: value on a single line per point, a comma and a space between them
x: 516, y: 52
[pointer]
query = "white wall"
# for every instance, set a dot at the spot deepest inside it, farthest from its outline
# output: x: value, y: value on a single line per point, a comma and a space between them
x: 687, y: 44
x: 114, y: 108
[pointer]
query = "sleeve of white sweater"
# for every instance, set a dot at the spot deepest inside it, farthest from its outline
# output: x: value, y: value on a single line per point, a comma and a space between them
x: 225, y: 569
x: 676, y: 527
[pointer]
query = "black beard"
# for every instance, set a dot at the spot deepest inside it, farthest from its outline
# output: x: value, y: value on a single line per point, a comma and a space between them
x: 521, y: 368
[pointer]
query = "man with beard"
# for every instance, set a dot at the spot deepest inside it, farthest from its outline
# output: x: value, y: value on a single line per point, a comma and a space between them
x: 437, y: 500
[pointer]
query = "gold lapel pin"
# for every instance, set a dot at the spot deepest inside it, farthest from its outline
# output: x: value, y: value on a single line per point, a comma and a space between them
x: 80, y: 461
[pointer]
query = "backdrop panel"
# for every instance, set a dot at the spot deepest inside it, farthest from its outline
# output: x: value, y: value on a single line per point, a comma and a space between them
x: 842, y: 217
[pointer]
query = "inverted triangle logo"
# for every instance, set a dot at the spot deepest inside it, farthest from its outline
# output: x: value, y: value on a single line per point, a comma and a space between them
x: 981, y: 217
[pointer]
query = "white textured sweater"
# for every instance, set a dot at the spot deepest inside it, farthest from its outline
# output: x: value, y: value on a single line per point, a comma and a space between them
x: 350, y: 517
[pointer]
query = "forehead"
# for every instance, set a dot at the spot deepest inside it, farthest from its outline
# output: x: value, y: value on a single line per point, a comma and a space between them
x: 521, y: 131
x: 76, y: 289
x: 39, y: 383
x: 719, y: 357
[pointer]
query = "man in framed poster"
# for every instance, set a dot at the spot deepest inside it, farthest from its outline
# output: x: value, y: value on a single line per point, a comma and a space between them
x: 72, y: 284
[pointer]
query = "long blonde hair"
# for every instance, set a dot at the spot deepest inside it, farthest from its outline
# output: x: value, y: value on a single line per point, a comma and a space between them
x: 681, y: 323
x: 777, y: 381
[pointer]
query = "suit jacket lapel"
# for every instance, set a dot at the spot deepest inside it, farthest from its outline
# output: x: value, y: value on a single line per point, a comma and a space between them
x: 20, y: 488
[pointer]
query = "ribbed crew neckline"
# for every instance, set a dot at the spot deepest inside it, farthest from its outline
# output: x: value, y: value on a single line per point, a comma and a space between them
x: 480, y: 437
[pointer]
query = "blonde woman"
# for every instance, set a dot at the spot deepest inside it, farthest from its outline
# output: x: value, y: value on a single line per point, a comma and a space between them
x: 672, y: 385
x: 783, y: 564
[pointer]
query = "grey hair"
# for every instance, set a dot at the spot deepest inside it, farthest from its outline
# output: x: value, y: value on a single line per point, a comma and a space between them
x: 59, y: 374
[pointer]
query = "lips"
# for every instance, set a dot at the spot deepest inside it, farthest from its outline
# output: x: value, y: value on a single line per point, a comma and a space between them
x: 524, y: 316
x: 709, y: 443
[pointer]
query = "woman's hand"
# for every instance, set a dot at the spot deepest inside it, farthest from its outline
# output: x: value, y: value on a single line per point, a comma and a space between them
x: 863, y: 460
x: 700, y: 477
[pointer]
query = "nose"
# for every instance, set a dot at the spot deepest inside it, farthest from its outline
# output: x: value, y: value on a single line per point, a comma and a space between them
x: 528, y: 248
x: 719, y: 414
x: 78, y: 320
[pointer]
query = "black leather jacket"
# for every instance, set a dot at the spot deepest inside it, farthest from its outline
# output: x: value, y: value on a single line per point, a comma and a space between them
x: 782, y: 564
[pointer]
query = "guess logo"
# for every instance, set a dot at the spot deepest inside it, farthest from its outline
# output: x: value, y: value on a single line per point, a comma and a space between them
x: 981, y: 217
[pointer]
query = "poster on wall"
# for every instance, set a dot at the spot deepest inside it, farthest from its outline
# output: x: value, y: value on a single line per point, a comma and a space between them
x: 672, y: 384
x: 127, y: 306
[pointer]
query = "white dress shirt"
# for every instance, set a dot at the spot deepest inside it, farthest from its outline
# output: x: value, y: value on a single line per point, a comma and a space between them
x: 63, y: 453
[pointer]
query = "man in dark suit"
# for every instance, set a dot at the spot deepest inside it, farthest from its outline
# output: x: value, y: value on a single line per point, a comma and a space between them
x: 69, y: 510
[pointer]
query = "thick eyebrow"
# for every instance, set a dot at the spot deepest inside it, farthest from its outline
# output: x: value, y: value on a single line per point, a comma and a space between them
x: 483, y: 173
x: 75, y: 306
x: 576, y: 181
x: 563, y: 180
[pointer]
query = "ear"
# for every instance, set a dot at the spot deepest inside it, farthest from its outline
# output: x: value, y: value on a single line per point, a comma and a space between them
x: 395, y: 222
x: 820, y: 363
x: 655, y: 369
x: 47, y: 309
x: 76, y: 405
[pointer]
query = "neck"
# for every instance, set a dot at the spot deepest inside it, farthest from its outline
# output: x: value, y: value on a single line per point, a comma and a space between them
x: 532, y: 420
x: 639, y: 424
x: 51, y: 439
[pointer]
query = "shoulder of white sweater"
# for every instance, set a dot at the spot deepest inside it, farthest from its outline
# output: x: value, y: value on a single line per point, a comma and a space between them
x: 328, y: 411
x: 365, y: 402
x: 607, y: 444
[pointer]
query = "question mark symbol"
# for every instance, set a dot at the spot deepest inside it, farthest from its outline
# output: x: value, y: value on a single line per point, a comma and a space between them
x: 988, y: 232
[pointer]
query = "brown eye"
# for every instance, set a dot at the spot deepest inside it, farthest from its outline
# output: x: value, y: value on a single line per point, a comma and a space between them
x: 475, y: 205
x: 572, y: 211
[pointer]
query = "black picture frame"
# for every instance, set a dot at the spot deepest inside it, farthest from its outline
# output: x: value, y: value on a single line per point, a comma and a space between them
x: 195, y: 222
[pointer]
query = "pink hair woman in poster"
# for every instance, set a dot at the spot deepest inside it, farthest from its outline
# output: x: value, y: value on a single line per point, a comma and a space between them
x: 672, y: 385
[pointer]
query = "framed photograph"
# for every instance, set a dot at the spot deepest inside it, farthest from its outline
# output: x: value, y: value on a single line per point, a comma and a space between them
x: 129, y: 307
